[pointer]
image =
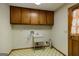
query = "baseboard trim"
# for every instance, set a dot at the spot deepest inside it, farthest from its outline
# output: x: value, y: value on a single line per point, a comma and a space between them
x: 10, y: 52
x: 32, y: 47
x: 59, y: 51
x: 21, y: 48
x: 18, y: 49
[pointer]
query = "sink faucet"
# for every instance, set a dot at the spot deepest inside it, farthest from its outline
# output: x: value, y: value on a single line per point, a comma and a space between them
x: 32, y: 32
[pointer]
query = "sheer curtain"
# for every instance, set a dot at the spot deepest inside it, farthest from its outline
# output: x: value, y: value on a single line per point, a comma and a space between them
x: 75, y: 22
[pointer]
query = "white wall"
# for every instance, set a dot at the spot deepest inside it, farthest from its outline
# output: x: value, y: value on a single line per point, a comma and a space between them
x: 60, y: 29
x: 21, y: 34
x: 5, y: 29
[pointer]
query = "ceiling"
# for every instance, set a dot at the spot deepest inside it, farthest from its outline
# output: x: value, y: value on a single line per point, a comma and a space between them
x: 42, y: 6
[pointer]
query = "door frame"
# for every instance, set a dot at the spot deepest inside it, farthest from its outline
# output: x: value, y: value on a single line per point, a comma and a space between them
x: 70, y: 9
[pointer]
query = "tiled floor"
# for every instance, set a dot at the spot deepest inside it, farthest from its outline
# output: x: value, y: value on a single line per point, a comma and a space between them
x: 40, y: 52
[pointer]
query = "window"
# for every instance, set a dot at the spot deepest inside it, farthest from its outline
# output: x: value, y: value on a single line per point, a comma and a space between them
x: 75, y: 22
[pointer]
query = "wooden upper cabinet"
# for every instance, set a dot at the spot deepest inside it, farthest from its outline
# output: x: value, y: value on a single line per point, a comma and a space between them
x: 34, y: 17
x: 15, y: 13
x: 25, y: 16
x: 42, y: 17
x: 50, y: 17
x: 29, y: 16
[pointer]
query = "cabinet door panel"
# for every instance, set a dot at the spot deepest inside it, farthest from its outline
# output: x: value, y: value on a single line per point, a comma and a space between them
x: 75, y: 48
x: 50, y: 18
x: 15, y: 15
x: 42, y: 17
x: 25, y: 16
x: 34, y: 17
x: 70, y: 46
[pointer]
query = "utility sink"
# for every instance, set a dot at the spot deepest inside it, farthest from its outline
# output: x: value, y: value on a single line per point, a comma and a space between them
x: 38, y: 36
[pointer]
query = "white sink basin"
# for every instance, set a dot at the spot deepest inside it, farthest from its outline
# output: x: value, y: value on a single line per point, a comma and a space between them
x: 37, y: 36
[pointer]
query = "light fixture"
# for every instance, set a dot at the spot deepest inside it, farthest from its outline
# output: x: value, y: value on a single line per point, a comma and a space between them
x: 37, y: 3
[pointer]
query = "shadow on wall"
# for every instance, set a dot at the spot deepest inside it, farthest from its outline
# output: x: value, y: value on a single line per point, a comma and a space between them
x: 28, y: 27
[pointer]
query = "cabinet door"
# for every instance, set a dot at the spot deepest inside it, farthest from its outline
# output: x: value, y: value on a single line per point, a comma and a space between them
x: 34, y: 17
x: 50, y: 18
x: 75, y: 48
x: 25, y: 16
x: 15, y: 15
x: 73, y: 45
x: 42, y: 17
